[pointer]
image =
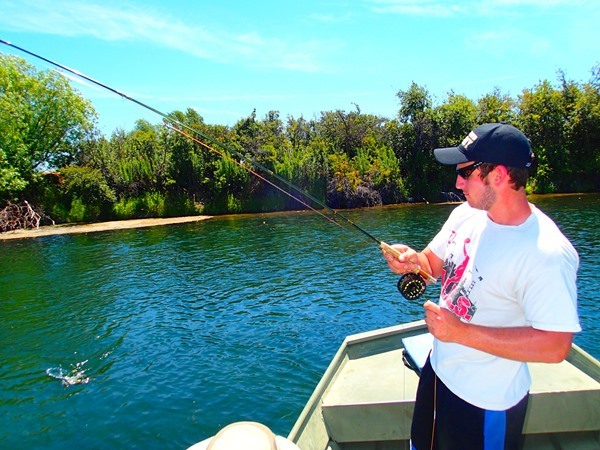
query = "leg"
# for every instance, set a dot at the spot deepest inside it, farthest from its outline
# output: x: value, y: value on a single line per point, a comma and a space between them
x: 422, y: 423
x: 515, y: 418
x: 460, y: 425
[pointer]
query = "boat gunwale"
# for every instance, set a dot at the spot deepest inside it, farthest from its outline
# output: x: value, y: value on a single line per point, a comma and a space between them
x: 584, y: 362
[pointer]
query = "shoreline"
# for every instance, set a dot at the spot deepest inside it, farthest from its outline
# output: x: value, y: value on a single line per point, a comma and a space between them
x: 53, y: 230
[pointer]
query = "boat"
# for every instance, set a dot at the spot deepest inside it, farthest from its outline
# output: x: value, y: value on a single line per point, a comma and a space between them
x: 366, y: 396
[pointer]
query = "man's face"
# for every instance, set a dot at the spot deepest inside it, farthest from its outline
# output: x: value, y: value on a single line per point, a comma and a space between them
x: 478, y: 192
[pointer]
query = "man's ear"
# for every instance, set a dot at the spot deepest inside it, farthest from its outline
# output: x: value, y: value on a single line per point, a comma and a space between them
x: 499, y: 174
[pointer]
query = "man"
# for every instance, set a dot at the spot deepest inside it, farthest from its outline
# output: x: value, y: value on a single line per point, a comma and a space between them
x: 508, y: 296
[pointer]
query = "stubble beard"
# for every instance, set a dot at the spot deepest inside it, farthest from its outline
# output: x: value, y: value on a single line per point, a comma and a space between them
x: 487, y: 199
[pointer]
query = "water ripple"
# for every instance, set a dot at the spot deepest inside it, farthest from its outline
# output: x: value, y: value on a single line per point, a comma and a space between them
x: 188, y: 328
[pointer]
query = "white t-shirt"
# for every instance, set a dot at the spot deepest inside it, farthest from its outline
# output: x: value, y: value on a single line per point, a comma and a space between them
x: 501, y: 276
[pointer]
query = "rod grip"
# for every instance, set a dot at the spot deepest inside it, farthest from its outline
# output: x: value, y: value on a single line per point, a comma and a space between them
x: 392, y: 251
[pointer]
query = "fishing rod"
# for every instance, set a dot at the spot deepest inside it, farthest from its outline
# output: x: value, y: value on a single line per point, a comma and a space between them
x: 411, y: 285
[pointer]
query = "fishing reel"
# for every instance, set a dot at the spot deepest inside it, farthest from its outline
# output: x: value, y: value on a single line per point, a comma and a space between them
x: 411, y: 285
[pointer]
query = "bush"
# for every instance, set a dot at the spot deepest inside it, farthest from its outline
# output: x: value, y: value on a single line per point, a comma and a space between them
x: 87, y: 184
x: 78, y: 211
x: 156, y: 204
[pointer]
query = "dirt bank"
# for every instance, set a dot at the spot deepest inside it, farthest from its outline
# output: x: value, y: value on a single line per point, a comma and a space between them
x: 95, y: 227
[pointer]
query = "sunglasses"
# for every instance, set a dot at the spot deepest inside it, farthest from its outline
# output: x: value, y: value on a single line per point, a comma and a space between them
x: 465, y: 172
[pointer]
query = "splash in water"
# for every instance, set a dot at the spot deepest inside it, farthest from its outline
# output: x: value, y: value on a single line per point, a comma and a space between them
x: 69, y: 377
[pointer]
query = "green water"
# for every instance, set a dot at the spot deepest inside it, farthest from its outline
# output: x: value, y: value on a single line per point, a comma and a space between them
x: 184, y: 329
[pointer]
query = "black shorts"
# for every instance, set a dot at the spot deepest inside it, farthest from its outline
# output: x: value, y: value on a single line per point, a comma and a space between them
x: 459, y: 425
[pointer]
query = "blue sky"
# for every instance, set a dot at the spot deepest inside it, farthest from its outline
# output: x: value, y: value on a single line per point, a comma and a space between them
x: 225, y: 58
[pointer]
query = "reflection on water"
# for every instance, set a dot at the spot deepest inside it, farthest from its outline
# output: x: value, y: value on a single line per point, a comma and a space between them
x: 184, y: 329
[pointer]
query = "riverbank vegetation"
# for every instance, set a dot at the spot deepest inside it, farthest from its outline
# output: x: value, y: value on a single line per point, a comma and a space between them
x: 52, y: 155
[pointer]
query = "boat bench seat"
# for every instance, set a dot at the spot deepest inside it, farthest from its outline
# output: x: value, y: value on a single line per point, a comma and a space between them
x: 373, y: 397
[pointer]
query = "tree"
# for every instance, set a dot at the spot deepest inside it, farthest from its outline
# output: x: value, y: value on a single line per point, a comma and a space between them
x: 495, y: 108
x: 413, y: 139
x: 414, y: 102
x: 454, y: 119
x: 189, y: 161
x: 305, y: 162
x: 543, y: 112
x: 42, y: 124
x: 346, y: 132
x: 11, y: 181
x: 582, y: 132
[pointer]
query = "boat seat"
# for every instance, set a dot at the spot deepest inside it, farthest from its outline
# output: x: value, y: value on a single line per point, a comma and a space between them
x: 373, y: 396
x: 372, y: 399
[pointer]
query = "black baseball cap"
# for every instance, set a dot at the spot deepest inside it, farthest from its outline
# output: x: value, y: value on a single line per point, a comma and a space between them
x: 495, y: 143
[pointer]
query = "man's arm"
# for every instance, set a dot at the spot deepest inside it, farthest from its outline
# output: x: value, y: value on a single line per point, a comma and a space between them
x: 517, y: 343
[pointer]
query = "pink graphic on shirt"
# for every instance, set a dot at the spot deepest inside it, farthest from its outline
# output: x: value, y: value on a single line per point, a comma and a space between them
x: 454, y: 295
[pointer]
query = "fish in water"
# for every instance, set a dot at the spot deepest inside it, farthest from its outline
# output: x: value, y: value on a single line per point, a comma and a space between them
x: 75, y: 376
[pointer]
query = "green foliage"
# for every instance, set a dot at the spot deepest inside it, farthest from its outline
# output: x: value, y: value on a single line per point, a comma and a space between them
x: 543, y: 180
x: 126, y: 208
x: 79, y: 212
x: 413, y: 136
x: 414, y: 103
x: 43, y: 122
x: 582, y: 130
x: 542, y: 116
x: 156, y: 204
x: 563, y: 124
x: 191, y: 164
x: 11, y: 181
x: 495, y: 108
x: 85, y: 194
x: 87, y: 184
x: 149, y: 204
x: 345, y: 159
x: 234, y: 205
x: 182, y: 205
x: 345, y: 174
x: 455, y: 118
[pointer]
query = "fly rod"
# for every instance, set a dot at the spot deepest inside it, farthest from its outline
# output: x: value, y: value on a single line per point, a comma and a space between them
x: 411, y: 285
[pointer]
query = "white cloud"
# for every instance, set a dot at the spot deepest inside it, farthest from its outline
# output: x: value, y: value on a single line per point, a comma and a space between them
x: 127, y: 22
x: 439, y: 8
x: 333, y: 18
x: 503, y: 42
x: 536, y: 3
x: 452, y: 8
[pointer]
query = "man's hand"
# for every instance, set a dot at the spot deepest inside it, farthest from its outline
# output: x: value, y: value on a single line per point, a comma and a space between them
x: 442, y: 323
x: 407, y: 261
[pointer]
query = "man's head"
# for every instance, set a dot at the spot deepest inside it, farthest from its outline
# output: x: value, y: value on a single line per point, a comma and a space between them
x: 494, y: 143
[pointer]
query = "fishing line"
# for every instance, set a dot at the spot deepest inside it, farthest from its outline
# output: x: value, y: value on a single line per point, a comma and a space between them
x: 411, y: 285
